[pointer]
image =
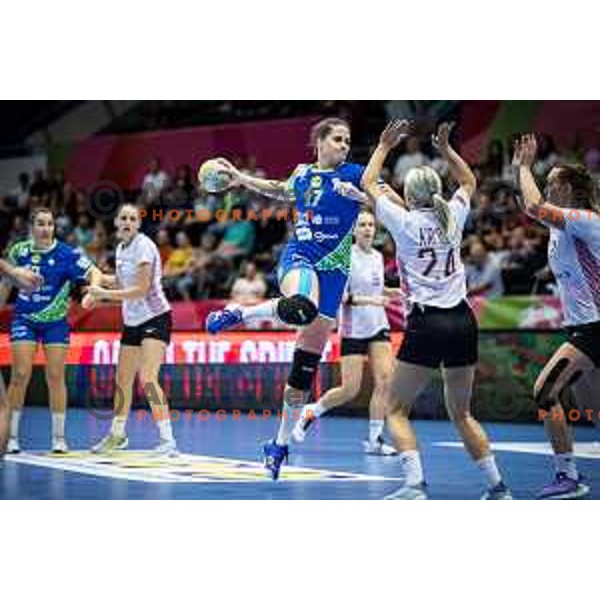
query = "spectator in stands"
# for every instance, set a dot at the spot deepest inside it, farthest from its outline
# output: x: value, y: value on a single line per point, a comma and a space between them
x: 178, y: 262
x: 20, y: 194
x: 411, y: 157
x: 155, y: 180
x: 19, y: 229
x: 98, y: 249
x: 547, y: 157
x: 522, y: 258
x: 39, y: 186
x: 185, y: 182
x: 5, y: 222
x: 62, y: 222
x: 238, y: 239
x: 592, y: 156
x: 83, y: 230
x: 163, y: 241
x: 493, y: 163
x: 250, y: 287
x: 484, y: 272
x: 204, y: 265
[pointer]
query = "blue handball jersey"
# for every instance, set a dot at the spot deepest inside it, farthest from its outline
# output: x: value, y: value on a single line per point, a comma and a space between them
x: 323, y: 230
x: 61, y: 267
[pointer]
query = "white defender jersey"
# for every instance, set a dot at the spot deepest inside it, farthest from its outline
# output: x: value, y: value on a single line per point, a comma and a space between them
x: 141, y: 250
x: 366, y: 279
x: 430, y: 267
x: 574, y: 257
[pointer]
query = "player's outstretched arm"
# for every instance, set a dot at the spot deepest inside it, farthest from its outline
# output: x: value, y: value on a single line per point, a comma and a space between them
x: 459, y: 169
x: 24, y: 279
x: 140, y: 288
x: 389, y: 139
x: 531, y: 200
x: 272, y: 188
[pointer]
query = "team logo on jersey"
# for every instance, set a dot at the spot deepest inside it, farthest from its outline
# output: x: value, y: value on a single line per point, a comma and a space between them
x: 36, y: 258
x: 316, y: 181
x: 51, y: 262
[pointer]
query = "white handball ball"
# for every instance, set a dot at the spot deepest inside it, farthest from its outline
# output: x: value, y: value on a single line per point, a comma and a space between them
x: 213, y: 177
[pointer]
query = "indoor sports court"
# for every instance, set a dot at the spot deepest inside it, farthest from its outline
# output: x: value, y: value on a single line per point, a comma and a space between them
x: 173, y: 290
x: 221, y: 460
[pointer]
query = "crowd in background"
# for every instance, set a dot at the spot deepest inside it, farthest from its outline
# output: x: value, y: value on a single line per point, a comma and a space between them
x: 504, y: 251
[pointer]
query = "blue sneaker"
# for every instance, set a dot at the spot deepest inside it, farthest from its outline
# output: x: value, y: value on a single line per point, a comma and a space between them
x: 220, y: 320
x: 564, y: 488
x: 498, y: 492
x: 274, y: 456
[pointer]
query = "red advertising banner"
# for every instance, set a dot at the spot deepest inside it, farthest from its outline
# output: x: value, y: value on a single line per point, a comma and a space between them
x: 123, y: 159
x: 242, y: 347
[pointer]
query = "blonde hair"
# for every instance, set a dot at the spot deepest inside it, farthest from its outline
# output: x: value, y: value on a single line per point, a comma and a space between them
x: 423, y: 189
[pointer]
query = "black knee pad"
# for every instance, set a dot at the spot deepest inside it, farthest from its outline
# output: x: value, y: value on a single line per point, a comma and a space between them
x: 304, y: 367
x: 297, y: 310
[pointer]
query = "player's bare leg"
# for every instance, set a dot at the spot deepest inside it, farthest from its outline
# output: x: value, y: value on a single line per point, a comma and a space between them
x: 458, y: 390
x: 351, y: 368
x: 381, y: 361
x: 4, y: 418
x: 57, y: 391
x: 20, y: 375
x: 408, y: 381
x: 568, y: 366
x: 587, y: 396
x: 152, y: 357
x: 127, y: 368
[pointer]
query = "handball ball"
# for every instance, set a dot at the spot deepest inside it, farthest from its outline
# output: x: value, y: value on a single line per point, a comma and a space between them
x: 212, y: 177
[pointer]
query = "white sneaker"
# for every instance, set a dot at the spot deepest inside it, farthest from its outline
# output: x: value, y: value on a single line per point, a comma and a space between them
x: 13, y: 446
x: 304, y: 423
x: 379, y: 448
x: 166, y: 448
x: 59, y: 446
x: 409, y: 492
x: 110, y: 443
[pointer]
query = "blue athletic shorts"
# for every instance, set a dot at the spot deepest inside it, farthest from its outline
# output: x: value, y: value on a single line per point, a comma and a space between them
x: 331, y: 283
x: 54, y: 333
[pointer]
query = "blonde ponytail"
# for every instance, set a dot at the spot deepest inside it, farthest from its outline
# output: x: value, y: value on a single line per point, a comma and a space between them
x: 423, y: 188
x: 445, y: 219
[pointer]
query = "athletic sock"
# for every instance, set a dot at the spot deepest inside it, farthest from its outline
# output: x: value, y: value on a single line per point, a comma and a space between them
x: 164, y: 429
x: 317, y: 409
x: 411, y: 466
x: 488, y: 467
x: 118, y: 426
x: 58, y: 425
x: 287, y: 423
x: 15, y: 417
x: 375, y: 430
x: 565, y: 463
x: 264, y: 311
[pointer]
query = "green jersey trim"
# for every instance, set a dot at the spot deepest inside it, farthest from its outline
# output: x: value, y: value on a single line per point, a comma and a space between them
x: 339, y: 258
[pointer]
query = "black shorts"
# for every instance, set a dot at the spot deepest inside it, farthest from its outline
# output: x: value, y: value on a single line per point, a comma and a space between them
x: 440, y: 336
x: 157, y: 328
x: 586, y: 338
x: 361, y: 345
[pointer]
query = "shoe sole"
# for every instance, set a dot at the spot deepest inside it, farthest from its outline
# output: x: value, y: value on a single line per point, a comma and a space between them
x: 581, y: 491
x: 116, y: 449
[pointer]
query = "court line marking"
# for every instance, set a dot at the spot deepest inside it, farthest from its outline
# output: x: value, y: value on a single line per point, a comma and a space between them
x: 146, y: 467
x: 580, y: 449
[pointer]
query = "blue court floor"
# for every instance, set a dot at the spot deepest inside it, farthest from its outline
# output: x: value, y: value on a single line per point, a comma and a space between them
x: 220, y: 460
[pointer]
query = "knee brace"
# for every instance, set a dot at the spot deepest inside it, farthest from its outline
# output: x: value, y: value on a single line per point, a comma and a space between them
x: 297, y: 310
x: 300, y: 380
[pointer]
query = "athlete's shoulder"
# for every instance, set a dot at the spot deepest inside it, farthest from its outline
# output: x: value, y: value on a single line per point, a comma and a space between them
x: 19, y: 249
x: 352, y: 169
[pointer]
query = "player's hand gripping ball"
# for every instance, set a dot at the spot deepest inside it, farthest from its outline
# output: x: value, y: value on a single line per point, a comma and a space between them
x: 214, y: 177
